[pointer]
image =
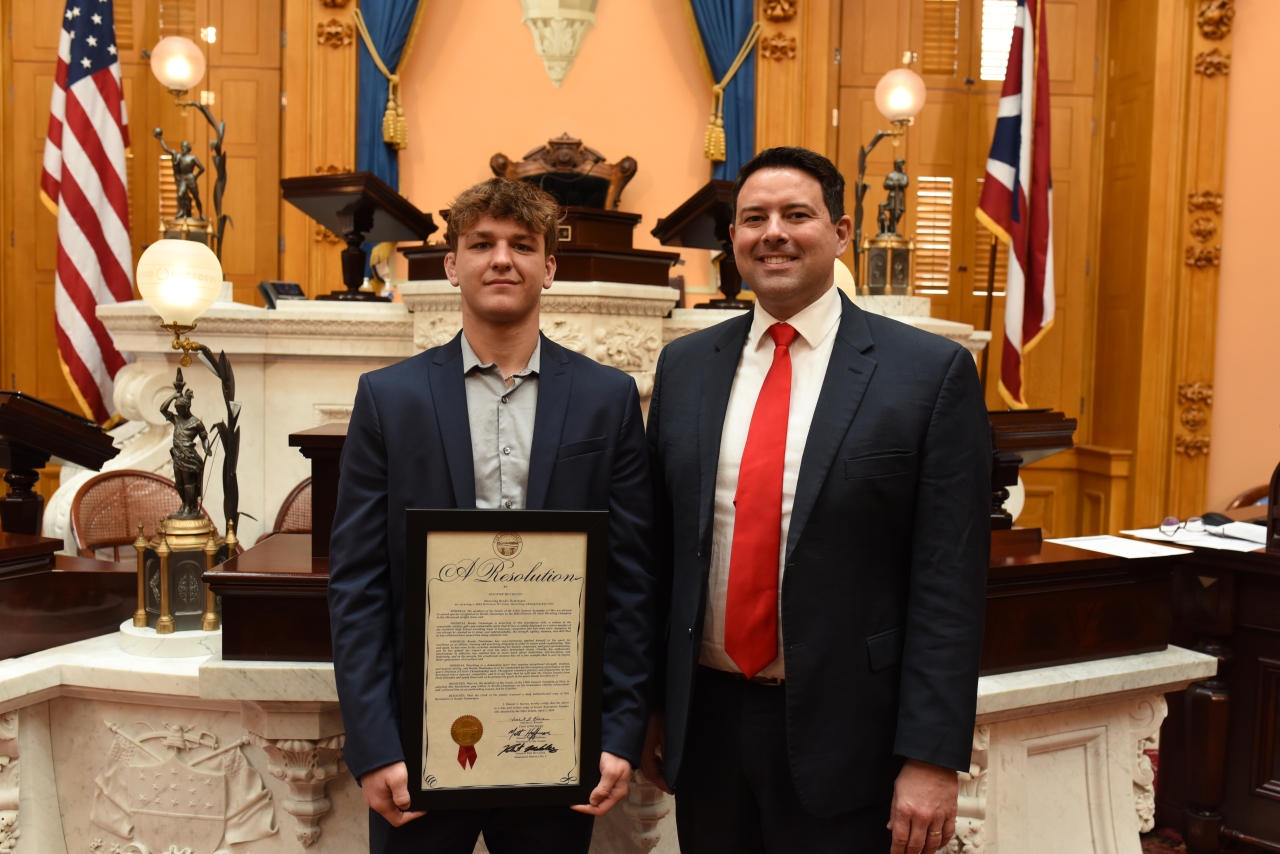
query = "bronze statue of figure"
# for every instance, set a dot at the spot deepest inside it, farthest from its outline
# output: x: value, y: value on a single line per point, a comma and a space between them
x: 187, y: 169
x: 188, y: 465
x: 894, y: 208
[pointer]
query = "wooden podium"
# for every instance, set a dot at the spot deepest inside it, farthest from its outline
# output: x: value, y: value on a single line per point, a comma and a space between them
x: 31, y: 433
x: 702, y: 222
x: 360, y: 208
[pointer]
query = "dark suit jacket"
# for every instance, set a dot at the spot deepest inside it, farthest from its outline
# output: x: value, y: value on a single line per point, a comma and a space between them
x: 409, y: 446
x: 886, y: 560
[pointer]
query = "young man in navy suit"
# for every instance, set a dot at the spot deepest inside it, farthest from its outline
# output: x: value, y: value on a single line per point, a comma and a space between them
x: 500, y: 417
x: 821, y: 479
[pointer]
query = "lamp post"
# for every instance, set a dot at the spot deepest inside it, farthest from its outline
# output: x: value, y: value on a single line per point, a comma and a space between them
x: 179, y: 64
x: 900, y: 95
x: 180, y: 280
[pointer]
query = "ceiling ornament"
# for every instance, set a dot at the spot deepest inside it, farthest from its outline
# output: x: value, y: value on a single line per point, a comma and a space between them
x: 558, y: 28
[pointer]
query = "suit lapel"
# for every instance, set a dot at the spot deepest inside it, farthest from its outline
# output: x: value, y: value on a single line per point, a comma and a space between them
x: 848, y: 375
x: 450, y: 395
x: 717, y: 383
x: 555, y: 379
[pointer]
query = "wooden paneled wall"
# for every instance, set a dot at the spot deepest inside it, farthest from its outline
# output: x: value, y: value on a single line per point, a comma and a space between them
x: 243, y: 81
x: 1138, y: 91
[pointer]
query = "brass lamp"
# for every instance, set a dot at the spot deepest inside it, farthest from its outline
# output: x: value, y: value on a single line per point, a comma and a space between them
x: 900, y: 95
x: 179, y: 280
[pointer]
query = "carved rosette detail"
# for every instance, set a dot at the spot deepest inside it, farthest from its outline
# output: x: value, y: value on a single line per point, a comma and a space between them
x: 1214, y: 18
x: 436, y: 332
x: 1205, y: 200
x: 1145, y: 717
x: 335, y: 34
x: 9, y: 830
x: 565, y: 333
x: 971, y: 814
x: 1211, y: 63
x: 779, y: 11
x: 324, y: 235
x: 1195, y: 398
x: 627, y: 346
x: 1203, y: 229
x: 1210, y: 256
x: 778, y: 46
x: 307, y: 767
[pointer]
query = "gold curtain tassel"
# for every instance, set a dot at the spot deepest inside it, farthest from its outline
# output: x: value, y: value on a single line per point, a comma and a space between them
x: 715, y: 146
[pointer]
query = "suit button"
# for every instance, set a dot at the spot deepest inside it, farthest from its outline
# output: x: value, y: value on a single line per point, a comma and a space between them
x: 506, y: 450
x: 699, y: 555
x: 690, y: 633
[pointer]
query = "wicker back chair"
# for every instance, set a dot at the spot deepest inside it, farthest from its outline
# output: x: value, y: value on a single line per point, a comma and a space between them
x: 295, y: 513
x: 107, y: 508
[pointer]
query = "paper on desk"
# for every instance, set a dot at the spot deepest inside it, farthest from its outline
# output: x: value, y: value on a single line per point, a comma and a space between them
x: 1119, y: 547
x: 1204, y: 541
x: 1246, y: 531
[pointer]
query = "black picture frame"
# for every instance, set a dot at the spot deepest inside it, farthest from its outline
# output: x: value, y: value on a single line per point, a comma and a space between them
x: 418, y: 525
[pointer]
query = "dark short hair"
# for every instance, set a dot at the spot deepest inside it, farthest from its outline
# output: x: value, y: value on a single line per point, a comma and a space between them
x: 794, y: 157
x: 501, y: 198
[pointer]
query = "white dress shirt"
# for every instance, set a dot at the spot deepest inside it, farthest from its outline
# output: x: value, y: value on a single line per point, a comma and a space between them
x: 810, y: 354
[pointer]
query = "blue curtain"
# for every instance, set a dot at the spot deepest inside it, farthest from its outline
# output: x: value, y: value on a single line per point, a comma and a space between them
x: 724, y: 25
x: 389, y: 23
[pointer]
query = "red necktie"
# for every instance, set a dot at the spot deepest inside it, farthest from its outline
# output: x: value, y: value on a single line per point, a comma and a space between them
x: 751, y: 608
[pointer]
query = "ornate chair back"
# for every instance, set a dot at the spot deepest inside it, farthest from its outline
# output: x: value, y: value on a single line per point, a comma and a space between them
x: 575, y: 174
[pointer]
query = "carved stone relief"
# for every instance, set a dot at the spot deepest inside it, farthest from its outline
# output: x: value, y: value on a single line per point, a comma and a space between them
x: 971, y: 813
x: 328, y: 413
x: 565, y: 333
x: 174, y: 782
x: 9, y: 772
x: 627, y: 345
x: 1145, y: 717
x: 646, y: 806
x: 307, y: 767
x: 334, y: 33
x: 778, y: 47
x: 436, y: 332
x: 1215, y: 17
x: 1211, y: 63
x: 779, y: 11
x: 558, y: 30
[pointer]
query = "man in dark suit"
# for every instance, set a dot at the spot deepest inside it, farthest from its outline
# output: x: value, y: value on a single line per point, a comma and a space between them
x: 821, y: 480
x: 500, y: 417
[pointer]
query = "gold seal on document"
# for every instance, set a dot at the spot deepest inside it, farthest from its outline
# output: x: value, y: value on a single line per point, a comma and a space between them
x: 507, y: 545
x: 466, y: 731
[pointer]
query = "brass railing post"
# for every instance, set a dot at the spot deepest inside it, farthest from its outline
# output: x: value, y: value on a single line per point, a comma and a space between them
x: 140, y: 546
x: 210, y: 621
x: 164, y: 625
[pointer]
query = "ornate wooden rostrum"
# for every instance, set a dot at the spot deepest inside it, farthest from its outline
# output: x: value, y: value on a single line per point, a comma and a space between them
x: 173, y: 596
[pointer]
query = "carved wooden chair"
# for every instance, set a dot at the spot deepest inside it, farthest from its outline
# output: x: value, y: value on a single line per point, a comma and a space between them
x: 1250, y: 497
x: 107, y: 508
x: 295, y: 513
x: 572, y: 172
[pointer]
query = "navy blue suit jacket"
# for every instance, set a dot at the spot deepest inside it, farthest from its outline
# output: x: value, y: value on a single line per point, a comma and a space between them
x: 409, y: 446
x: 884, y: 592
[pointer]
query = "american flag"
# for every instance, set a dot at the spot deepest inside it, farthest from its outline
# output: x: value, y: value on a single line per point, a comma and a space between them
x: 1017, y: 197
x: 84, y: 183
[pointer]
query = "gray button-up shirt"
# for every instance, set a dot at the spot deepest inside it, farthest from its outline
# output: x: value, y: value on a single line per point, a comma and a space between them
x: 501, y: 418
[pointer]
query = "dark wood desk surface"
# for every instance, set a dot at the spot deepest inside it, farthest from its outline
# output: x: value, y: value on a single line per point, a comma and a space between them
x: 75, y: 599
x: 281, y: 559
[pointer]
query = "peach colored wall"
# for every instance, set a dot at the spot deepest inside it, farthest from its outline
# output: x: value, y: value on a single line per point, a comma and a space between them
x: 474, y: 86
x: 1246, y: 393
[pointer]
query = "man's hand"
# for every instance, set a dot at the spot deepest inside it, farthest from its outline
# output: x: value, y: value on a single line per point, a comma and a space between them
x: 923, y: 815
x: 386, y: 791
x: 615, y: 776
x: 653, y: 760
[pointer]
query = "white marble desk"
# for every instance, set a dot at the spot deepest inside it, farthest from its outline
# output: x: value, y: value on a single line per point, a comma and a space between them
x: 1058, y: 763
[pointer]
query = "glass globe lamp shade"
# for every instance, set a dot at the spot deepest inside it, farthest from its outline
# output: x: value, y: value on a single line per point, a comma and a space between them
x: 177, y: 63
x: 900, y: 95
x: 179, y: 279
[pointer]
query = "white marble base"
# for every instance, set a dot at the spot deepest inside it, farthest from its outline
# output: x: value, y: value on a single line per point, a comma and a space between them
x: 1058, y: 764
x: 144, y: 641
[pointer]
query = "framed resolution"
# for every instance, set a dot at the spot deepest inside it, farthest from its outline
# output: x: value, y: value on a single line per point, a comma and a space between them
x: 503, y: 656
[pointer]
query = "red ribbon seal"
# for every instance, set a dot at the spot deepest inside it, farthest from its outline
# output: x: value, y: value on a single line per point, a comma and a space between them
x: 466, y: 753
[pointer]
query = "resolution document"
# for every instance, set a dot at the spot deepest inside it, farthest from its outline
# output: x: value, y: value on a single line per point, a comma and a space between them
x: 504, y: 634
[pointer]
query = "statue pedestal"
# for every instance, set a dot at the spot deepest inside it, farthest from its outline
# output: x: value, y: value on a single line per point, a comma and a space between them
x: 143, y: 641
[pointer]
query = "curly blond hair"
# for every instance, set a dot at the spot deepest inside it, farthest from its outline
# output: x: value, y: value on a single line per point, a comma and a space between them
x: 502, y: 198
